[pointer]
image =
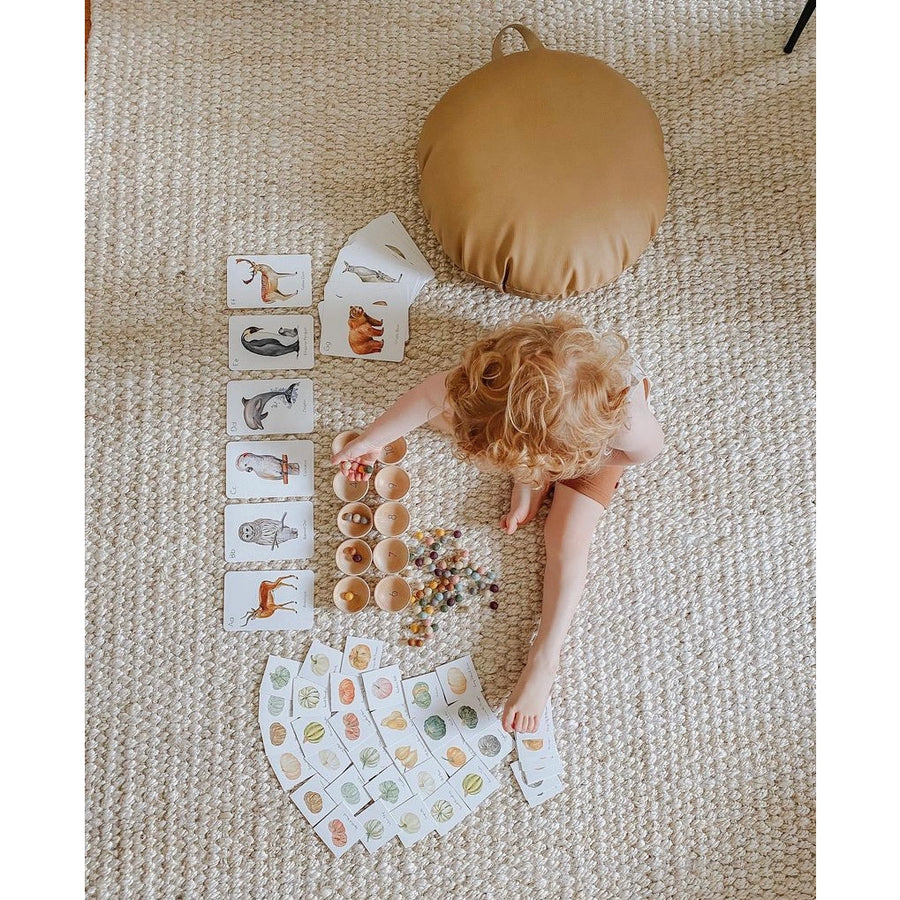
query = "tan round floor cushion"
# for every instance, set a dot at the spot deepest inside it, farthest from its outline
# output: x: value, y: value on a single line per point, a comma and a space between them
x: 542, y: 173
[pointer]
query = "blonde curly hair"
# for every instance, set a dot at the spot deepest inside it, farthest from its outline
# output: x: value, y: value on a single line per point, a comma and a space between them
x: 540, y: 399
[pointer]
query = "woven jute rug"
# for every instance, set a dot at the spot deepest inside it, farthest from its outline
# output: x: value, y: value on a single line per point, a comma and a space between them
x: 684, y: 706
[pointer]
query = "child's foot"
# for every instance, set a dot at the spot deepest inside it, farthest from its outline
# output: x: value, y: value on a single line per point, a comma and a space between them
x: 529, y: 697
x: 523, y: 506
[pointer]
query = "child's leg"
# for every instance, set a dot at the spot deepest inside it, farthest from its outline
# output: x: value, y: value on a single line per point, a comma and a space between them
x: 568, y: 533
x: 523, y: 506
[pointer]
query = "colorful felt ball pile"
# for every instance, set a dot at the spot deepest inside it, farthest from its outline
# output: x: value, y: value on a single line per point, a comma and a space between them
x: 444, y: 577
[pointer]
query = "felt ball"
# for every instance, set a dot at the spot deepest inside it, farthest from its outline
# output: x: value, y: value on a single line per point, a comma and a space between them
x: 450, y: 601
x: 457, y: 534
x: 495, y: 588
x: 357, y: 558
x: 429, y: 609
x: 411, y: 642
x: 454, y: 579
x: 413, y: 627
x: 439, y: 532
x: 423, y: 615
x: 434, y: 628
x: 443, y: 607
x: 418, y: 535
x: 433, y: 555
x: 420, y: 562
x: 494, y: 604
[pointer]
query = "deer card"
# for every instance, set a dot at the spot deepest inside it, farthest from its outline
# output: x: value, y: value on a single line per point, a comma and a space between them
x: 362, y: 330
x: 263, y: 469
x: 270, y: 343
x: 270, y: 406
x: 267, y: 282
x: 268, y: 601
x: 258, y: 532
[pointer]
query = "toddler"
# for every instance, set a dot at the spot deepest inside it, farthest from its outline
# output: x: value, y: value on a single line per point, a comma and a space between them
x: 556, y: 406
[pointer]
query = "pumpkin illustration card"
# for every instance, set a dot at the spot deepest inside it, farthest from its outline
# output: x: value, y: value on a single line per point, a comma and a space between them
x: 260, y: 470
x: 387, y: 237
x: 323, y: 751
x: 369, y: 756
x: 284, y: 754
x: 264, y: 532
x: 346, y: 692
x: 452, y: 753
x: 458, y: 678
x: 349, y: 790
x: 425, y: 778
x: 537, y: 793
x: 270, y: 343
x: 353, y: 729
x: 383, y: 687
x: 474, y: 782
x: 424, y: 696
x: 269, y: 406
x: 363, y: 330
x: 338, y: 830
x: 313, y: 800
x: 268, y: 601
x: 413, y: 821
x: 472, y: 714
x: 437, y: 728
x: 393, y: 723
x: 309, y: 697
x: 407, y: 750
x: 389, y: 787
x: 268, y: 281
x: 361, y: 654
x: 320, y: 662
x: 376, y: 827
x: 446, y: 809
x: 492, y: 745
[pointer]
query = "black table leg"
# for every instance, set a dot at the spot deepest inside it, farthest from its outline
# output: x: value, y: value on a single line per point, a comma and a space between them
x: 808, y: 10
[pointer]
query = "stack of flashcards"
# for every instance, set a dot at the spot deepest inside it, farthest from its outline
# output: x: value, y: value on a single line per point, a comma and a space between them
x: 374, y: 281
x: 368, y: 755
x: 271, y: 470
x: 539, y: 767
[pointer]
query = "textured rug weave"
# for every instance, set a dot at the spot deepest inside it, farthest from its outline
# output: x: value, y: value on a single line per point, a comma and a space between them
x: 685, y: 702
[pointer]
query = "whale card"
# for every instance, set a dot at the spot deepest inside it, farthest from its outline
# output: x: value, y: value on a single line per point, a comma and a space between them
x: 264, y: 469
x: 356, y: 330
x: 270, y: 343
x: 270, y: 406
x: 258, y: 532
x: 268, y: 601
x: 267, y: 281
x: 392, y: 246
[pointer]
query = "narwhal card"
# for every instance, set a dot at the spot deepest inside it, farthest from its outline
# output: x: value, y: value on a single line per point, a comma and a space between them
x: 268, y: 282
x: 269, y: 601
x: 270, y: 406
x: 270, y: 343
x: 268, y: 469
x: 259, y: 532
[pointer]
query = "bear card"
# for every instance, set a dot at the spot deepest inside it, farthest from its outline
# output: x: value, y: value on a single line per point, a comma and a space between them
x: 270, y: 343
x: 264, y: 469
x: 362, y: 330
x: 257, y: 532
x: 270, y: 406
x: 383, y: 296
x: 268, y: 601
x: 267, y: 281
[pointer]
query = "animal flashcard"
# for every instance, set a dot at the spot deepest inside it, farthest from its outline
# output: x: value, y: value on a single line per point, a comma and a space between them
x: 270, y: 343
x: 268, y: 601
x: 537, y: 793
x: 260, y: 532
x: 264, y: 282
x: 362, y: 330
x: 266, y: 469
x: 273, y: 406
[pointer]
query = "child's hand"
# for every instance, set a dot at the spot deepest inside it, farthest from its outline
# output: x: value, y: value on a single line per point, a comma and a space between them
x: 358, y: 452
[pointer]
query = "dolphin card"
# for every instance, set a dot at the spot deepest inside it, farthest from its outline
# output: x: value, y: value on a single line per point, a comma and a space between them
x: 270, y: 406
x: 264, y: 469
x: 268, y: 282
x: 260, y: 532
x: 268, y: 601
x: 362, y: 330
x: 270, y: 343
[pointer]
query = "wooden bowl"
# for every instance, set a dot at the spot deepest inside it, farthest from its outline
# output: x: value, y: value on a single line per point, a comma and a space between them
x: 391, y: 555
x: 341, y: 440
x: 354, y: 529
x: 393, y: 452
x: 347, y: 490
x: 391, y: 519
x: 391, y: 483
x: 392, y: 593
x: 351, y: 585
x: 344, y: 553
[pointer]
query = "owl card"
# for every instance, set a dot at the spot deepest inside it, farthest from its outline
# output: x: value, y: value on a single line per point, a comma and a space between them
x: 268, y: 601
x: 268, y: 282
x: 367, y: 330
x: 270, y: 343
x: 263, y: 469
x: 259, y: 532
x: 273, y: 406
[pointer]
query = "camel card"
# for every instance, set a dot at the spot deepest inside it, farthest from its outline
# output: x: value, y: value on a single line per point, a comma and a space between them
x: 474, y: 783
x: 362, y: 331
x: 376, y: 827
x: 264, y: 469
x: 361, y: 654
x: 259, y: 532
x: 270, y: 343
x: 267, y: 282
x: 270, y: 406
x: 413, y: 821
x: 349, y: 790
x: 268, y: 601
x: 338, y: 830
x: 537, y: 793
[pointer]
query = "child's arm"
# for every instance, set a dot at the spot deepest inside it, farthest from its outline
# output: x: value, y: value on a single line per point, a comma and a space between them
x: 414, y: 408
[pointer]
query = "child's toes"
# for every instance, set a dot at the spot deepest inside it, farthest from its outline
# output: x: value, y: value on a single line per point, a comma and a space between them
x: 509, y: 715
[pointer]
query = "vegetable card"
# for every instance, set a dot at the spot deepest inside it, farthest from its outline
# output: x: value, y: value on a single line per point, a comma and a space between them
x: 407, y: 750
x: 361, y: 654
x: 389, y: 787
x: 349, y: 790
x: 269, y: 281
x: 446, y: 809
x: 313, y: 800
x: 320, y: 661
x: 458, y: 678
x: 537, y: 793
x: 270, y: 406
x: 268, y: 531
x: 474, y: 782
x: 426, y: 777
x: 492, y: 745
x: 270, y: 343
x: 267, y: 469
x: 376, y: 827
x: 338, y: 830
x: 309, y: 697
x: 346, y: 692
x: 383, y: 687
x: 268, y: 601
x: 413, y: 821
x: 424, y: 696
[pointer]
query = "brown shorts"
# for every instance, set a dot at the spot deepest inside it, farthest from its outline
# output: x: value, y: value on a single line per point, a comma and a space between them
x: 599, y: 487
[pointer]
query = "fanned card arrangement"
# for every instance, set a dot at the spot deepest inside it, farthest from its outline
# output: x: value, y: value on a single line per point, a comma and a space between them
x: 368, y: 755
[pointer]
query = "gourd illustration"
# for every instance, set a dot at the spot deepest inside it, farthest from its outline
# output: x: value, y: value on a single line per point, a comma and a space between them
x: 319, y: 664
x: 410, y: 823
x: 389, y: 792
x: 290, y: 765
x: 309, y: 697
x: 330, y: 760
x: 346, y: 691
x: 407, y: 757
x: 533, y: 743
x: 489, y: 745
x: 369, y: 758
x: 360, y: 657
x: 338, y: 833
x: 279, y: 677
x: 435, y: 727
x: 472, y: 784
x: 468, y: 716
x: 351, y: 726
x: 313, y: 733
x: 456, y: 757
x: 426, y: 783
x: 456, y: 680
x: 275, y: 705
x: 395, y: 720
x: 277, y: 733
x: 442, y: 811
x: 382, y: 688
x: 374, y: 829
x: 313, y: 801
x: 421, y: 695
x: 350, y: 793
